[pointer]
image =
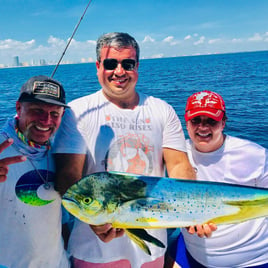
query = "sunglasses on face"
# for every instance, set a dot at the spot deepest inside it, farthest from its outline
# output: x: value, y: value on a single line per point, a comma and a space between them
x: 111, y: 64
x: 209, y: 121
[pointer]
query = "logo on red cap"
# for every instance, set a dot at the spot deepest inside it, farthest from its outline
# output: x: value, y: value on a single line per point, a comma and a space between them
x: 206, y: 103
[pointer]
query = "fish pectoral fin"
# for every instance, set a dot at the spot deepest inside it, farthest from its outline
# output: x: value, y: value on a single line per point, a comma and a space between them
x: 142, y: 235
x: 246, y: 210
x: 139, y: 242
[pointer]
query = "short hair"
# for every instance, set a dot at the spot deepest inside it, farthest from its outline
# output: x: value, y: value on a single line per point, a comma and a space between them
x: 224, y: 118
x: 117, y: 40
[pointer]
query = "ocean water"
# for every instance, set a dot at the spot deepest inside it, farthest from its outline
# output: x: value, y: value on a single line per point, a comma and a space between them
x: 241, y: 78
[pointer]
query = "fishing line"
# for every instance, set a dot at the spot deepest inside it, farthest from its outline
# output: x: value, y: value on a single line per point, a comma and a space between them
x: 71, y: 39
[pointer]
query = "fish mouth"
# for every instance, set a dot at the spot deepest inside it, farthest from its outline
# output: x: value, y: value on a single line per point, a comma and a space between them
x: 67, y: 199
x: 71, y: 205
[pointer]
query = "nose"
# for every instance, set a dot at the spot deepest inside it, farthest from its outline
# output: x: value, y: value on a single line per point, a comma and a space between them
x: 203, y: 123
x: 119, y: 70
x: 45, y: 118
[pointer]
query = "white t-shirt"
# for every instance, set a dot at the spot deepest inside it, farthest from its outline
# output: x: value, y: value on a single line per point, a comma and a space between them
x: 30, y: 235
x: 119, y: 140
x: 245, y: 244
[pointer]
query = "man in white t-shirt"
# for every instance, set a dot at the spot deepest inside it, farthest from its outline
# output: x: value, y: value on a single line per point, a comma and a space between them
x: 30, y: 208
x: 120, y: 129
x: 223, y: 158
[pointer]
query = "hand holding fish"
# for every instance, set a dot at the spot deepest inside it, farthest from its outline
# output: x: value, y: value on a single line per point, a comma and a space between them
x: 106, y: 232
x: 202, y: 229
x: 8, y: 160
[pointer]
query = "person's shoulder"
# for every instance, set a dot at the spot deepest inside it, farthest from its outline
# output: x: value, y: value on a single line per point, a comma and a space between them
x: 241, y: 143
x: 188, y: 142
x: 188, y: 145
x: 84, y: 98
x: 84, y: 101
x: 154, y: 100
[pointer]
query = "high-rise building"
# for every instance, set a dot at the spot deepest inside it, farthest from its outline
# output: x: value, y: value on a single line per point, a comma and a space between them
x: 16, y: 61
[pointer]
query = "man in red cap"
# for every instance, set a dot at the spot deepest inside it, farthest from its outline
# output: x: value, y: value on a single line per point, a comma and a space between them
x: 223, y: 158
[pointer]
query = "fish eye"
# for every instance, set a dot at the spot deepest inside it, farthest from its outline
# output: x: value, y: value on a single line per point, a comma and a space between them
x: 87, y: 200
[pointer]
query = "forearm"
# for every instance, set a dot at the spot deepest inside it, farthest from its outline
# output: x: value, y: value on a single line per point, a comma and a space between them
x: 178, y: 164
x: 69, y: 169
x: 182, y: 171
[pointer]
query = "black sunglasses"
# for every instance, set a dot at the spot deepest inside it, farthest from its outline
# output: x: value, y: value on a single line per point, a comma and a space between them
x: 197, y: 120
x: 127, y: 64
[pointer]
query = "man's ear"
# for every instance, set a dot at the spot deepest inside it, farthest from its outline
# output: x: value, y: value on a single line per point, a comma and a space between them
x: 18, y: 108
x: 223, y: 124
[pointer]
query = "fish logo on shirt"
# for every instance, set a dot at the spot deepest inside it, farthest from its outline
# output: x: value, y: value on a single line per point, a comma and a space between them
x: 29, y: 183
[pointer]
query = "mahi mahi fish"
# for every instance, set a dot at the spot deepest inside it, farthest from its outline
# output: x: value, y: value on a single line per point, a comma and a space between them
x: 134, y: 202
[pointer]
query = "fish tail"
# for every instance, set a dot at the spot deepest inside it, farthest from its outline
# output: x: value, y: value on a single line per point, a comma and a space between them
x: 248, y: 209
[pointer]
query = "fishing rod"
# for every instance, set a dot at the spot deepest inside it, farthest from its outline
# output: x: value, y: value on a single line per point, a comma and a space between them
x: 71, y: 38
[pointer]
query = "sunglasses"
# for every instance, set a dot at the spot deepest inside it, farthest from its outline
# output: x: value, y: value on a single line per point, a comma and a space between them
x: 111, y: 64
x: 197, y: 120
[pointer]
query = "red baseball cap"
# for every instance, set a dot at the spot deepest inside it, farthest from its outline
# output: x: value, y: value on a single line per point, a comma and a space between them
x: 206, y: 103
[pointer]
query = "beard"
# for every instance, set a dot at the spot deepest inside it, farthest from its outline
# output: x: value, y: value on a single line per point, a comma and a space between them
x: 27, y: 131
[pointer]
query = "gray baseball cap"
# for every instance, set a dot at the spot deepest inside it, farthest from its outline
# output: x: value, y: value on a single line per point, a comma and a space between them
x: 43, y: 88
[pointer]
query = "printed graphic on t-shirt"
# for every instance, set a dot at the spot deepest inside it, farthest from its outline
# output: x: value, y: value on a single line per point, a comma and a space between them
x: 120, y: 122
x: 32, y: 190
x: 131, y: 153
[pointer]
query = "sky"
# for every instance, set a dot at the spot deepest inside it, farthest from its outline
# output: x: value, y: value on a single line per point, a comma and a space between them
x: 38, y: 30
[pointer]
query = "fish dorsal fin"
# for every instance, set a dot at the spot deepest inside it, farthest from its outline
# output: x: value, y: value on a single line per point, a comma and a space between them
x: 246, y: 210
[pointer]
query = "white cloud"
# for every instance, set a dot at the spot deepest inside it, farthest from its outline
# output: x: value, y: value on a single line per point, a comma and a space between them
x: 213, y: 41
x: 14, y: 44
x: 191, y: 44
x: 256, y: 37
x: 168, y: 39
x: 148, y: 39
x: 187, y: 37
x: 30, y: 51
x: 56, y: 42
x: 82, y: 45
x: 92, y: 42
x: 200, y: 41
x: 236, y: 40
x: 266, y: 37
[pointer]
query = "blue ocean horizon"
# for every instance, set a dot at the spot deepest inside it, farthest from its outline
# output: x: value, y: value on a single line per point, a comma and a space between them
x: 241, y: 78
